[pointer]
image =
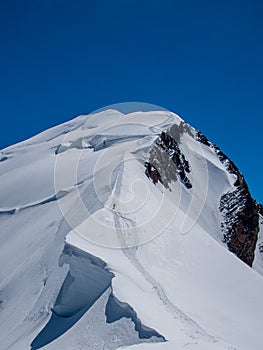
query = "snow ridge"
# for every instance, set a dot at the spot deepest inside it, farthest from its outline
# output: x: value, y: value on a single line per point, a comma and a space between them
x: 94, y: 255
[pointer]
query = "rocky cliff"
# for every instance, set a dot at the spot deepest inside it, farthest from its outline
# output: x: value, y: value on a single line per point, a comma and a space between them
x: 240, y: 212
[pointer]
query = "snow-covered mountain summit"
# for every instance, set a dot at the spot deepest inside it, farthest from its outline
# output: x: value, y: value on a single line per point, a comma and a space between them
x: 127, y: 231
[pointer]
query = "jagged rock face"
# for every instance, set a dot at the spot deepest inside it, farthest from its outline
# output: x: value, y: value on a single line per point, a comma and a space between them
x: 167, y: 162
x: 240, y: 225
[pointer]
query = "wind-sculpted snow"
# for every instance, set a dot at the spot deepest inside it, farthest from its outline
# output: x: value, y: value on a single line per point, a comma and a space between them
x: 115, y: 310
x: 87, y: 280
x: 96, y: 255
x: 53, y: 198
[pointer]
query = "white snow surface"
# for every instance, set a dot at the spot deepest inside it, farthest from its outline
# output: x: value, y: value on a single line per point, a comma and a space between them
x: 258, y: 261
x: 81, y: 224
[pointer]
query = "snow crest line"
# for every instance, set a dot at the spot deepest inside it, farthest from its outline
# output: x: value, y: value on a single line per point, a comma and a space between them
x: 50, y: 199
x: 128, y: 242
x: 130, y: 253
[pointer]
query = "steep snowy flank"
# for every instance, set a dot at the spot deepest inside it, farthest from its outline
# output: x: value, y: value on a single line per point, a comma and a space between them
x: 118, y: 231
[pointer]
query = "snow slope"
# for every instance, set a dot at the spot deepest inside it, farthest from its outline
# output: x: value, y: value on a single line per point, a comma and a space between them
x: 95, y: 255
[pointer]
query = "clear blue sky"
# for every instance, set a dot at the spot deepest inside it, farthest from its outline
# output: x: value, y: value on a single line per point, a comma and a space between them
x: 201, y: 59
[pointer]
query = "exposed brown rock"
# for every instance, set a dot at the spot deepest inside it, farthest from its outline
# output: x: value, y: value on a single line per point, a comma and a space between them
x: 240, y: 224
x: 167, y: 163
x: 152, y: 172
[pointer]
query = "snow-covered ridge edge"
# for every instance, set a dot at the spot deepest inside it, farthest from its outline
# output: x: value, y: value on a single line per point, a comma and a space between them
x: 93, y: 259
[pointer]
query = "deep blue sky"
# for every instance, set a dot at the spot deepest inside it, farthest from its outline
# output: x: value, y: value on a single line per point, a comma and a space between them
x: 201, y: 59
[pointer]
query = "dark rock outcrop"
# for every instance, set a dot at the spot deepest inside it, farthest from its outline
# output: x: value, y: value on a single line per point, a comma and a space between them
x: 240, y: 224
x: 202, y: 138
x: 167, y: 162
x: 152, y: 172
